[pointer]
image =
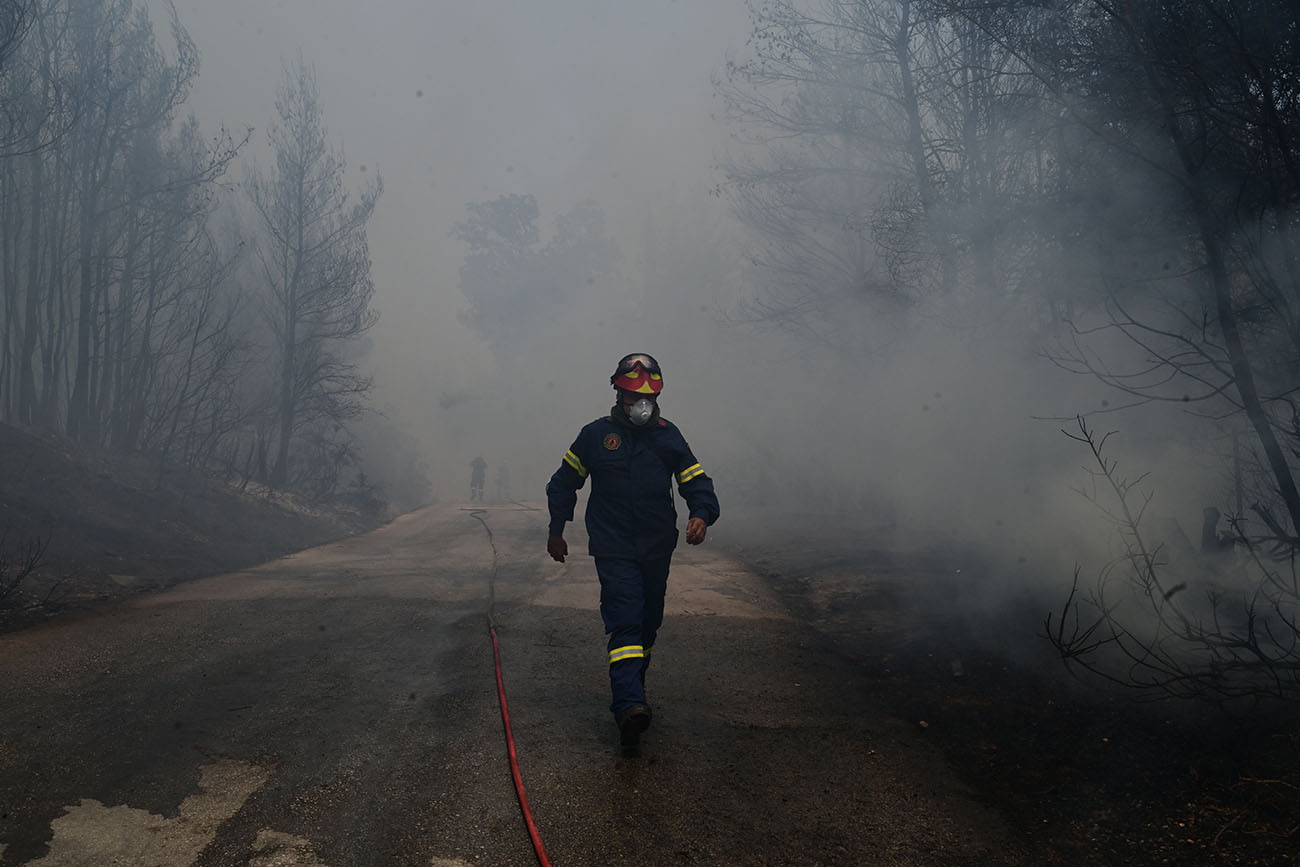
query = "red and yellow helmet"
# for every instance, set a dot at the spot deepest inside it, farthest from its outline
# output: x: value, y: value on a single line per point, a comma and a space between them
x: 638, y: 373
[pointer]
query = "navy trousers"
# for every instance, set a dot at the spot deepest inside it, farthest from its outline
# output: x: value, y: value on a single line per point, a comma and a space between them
x: 632, y: 606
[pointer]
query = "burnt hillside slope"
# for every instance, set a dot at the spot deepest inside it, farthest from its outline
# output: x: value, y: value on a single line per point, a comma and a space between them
x: 114, y: 525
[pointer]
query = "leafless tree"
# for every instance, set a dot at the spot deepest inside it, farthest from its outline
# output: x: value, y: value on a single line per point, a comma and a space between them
x: 315, y: 265
x: 1100, y: 168
x: 1204, y: 98
x: 128, y: 106
x: 125, y: 317
x: 807, y: 110
x: 15, y: 19
x: 1191, y: 111
x: 115, y: 297
x: 17, y: 563
x: 892, y: 152
x: 1225, y: 629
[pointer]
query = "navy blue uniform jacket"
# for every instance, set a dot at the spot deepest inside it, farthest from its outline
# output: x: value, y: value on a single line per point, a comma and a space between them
x: 630, y: 513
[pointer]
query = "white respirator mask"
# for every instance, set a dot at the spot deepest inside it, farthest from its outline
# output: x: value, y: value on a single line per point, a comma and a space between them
x: 640, y: 412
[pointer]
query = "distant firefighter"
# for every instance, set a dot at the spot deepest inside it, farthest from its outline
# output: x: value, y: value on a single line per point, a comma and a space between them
x: 477, y: 475
x: 503, y: 483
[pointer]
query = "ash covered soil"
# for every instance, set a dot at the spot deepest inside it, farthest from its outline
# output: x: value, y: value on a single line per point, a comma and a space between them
x: 1087, y: 777
x: 111, y: 526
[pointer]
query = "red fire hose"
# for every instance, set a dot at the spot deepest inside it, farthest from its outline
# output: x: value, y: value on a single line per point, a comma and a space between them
x: 514, y: 760
x: 505, y: 708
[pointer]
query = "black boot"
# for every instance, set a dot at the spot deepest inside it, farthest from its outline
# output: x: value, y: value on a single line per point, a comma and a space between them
x: 631, y: 722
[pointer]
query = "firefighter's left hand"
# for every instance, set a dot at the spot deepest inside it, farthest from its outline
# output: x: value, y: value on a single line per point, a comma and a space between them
x: 695, y: 531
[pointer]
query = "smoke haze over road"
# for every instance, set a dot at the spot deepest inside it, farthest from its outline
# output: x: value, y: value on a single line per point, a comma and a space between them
x: 933, y: 424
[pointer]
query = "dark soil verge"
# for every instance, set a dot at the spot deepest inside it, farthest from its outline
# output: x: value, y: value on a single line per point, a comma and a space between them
x: 115, y: 525
x: 1088, y: 776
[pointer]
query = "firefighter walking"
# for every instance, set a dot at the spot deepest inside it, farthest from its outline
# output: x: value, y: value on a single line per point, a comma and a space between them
x: 477, y: 477
x: 633, y: 455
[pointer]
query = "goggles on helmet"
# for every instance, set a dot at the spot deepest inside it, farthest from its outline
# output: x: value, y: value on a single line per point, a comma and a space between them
x: 647, y: 362
x: 638, y: 373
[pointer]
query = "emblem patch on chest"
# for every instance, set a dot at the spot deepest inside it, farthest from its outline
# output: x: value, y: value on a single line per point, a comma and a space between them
x: 613, y: 441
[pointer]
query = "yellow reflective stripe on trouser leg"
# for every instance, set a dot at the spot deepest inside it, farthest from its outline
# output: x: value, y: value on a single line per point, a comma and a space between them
x: 689, y: 473
x: 572, y: 460
x: 631, y: 651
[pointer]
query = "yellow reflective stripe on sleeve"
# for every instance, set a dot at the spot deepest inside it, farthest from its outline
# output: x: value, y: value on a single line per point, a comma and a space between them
x: 631, y: 651
x: 572, y: 460
x: 689, y: 473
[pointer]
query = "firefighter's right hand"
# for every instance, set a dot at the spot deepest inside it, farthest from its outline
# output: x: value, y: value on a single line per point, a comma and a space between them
x: 557, y: 548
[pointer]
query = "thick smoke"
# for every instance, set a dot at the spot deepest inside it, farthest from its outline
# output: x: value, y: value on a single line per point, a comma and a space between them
x: 934, y: 425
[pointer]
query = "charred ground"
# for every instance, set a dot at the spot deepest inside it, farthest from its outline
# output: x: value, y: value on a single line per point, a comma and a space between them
x: 1088, y: 777
x: 108, y: 526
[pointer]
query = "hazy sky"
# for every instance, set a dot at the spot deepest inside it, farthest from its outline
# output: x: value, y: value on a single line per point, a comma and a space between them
x: 456, y: 102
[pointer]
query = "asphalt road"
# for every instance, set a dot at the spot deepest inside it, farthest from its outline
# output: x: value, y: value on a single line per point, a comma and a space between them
x: 339, y: 707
